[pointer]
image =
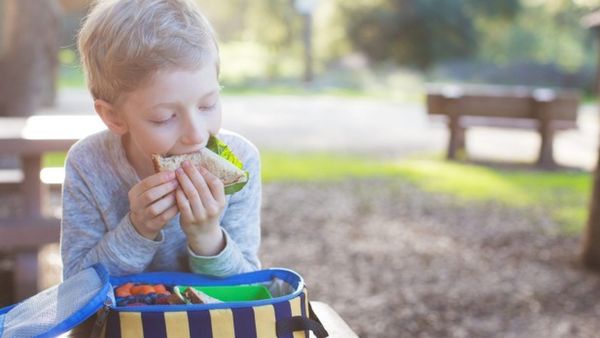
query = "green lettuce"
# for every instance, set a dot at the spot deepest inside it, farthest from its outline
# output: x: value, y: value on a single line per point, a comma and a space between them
x: 220, y: 148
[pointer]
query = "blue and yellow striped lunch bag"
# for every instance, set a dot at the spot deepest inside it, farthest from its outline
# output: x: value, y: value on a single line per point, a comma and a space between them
x: 285, y: 313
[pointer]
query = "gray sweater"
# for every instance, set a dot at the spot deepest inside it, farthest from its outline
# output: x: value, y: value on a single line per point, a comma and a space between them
x: 96, y: 227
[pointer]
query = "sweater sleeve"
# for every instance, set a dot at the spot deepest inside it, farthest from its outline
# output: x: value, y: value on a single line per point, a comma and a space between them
x: 85, y: 237
x: 241, y: 228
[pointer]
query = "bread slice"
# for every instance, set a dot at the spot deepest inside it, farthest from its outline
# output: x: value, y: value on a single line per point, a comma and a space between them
x: 198, y: 297
x: 228, y: 173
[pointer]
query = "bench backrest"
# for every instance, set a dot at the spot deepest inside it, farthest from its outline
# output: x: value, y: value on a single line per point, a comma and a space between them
x: 511, y: 102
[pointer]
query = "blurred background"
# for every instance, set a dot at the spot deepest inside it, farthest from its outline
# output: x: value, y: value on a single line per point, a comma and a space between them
x: 379, y: 47
x: 358, y: 194
x: 386, y: 48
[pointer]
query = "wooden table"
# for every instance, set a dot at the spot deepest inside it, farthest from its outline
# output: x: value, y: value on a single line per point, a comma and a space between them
x: 331, y: 320
x: 29, y: 139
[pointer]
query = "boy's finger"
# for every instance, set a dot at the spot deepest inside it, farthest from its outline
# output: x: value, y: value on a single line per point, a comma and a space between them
x: 152, y: 195
x: 193, y: 195
x: 183, y: 205
x: 200, y: 184
x: 165, y: 217
x: 160, y: 206
x: 188, y: 187
x: 152, y: 181
x: 215, y: 185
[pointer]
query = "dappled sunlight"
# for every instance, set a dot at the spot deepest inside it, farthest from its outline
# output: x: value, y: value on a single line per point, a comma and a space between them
x: 563, y: 195
x: 467, y: 181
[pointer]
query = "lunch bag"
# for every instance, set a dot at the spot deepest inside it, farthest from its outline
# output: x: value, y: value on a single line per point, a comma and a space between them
x: 59, y: 309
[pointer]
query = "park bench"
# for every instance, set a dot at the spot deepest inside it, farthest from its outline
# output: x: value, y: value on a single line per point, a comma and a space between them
x: 22, y: 235
x: 544, y: 110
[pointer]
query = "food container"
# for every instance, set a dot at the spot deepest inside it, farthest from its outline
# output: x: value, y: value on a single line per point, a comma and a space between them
x: 231, y: 293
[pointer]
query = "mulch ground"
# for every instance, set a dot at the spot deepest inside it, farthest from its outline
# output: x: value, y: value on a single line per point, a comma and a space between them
x: 398, y: 262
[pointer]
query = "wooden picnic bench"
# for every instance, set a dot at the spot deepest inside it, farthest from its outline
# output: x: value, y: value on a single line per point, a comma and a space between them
x: 22, y: 235
x: 331, y: 320
x: 544, y: 110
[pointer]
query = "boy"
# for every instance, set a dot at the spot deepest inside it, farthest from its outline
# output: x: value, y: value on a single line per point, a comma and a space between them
x: 152, y: 69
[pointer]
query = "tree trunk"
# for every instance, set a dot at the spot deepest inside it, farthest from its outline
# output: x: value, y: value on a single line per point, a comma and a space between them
x: 29, y: 57
x: 591, y: 241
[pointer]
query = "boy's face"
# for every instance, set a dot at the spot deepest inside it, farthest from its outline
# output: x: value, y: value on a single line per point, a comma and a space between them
x: 174, y: 113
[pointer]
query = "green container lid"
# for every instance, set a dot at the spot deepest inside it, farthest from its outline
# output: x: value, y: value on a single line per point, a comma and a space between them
x: 232, y: 293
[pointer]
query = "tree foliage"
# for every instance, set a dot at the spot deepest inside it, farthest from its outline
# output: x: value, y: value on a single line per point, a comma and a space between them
x: 421, y: 32
x: 545, y: 32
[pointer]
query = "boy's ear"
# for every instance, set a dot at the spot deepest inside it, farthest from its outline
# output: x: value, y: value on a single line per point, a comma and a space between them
x: 110, y: 117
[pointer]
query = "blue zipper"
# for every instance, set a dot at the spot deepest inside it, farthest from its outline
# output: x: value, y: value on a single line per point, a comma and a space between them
x: 259, y: 276
x: 255, y: 277
x: 101, y: 318
x: 224, y: 305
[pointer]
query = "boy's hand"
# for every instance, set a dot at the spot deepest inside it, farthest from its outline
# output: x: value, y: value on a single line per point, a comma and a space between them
x: 152, y: 203
x: 201, y: 200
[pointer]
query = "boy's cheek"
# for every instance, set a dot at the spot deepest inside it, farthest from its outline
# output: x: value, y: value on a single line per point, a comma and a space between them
x: 215, y: 120
x: 158, y: 144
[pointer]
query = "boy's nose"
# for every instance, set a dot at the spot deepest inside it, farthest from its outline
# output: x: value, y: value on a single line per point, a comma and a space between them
x: 194, y: 133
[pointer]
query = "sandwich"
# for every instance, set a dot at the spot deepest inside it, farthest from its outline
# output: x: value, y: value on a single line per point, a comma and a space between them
x: 217, y: 158
x: 193, y: 296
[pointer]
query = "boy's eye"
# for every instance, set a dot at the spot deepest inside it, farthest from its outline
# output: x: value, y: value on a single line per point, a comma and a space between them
x: 163, y: 121
x: 208, y: 107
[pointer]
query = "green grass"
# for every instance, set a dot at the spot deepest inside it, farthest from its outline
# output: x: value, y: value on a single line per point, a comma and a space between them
x: 250, y: 76
x: 291, y: 89
x: 321, y: 167
x: 72, y: 77
x: 564, y: 195
x: 54, y: 159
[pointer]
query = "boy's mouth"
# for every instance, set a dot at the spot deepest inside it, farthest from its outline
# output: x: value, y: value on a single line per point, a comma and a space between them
x: 182, y: 153
x: 187, y: 151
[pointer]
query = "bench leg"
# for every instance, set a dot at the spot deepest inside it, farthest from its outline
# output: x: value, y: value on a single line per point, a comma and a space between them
x: 451, y: 153
x: 546, y: 131
x: 461, y: 139
x: 35, y: 193
x: 546, y: 157
x: 546, y: 160
x: 25, y: 274
x: 457, y: 137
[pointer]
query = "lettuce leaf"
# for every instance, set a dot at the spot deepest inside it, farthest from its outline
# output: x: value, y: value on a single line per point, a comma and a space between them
x: 222, y: 149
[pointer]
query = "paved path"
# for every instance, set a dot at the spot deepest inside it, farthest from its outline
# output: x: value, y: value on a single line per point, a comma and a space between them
x: 376, y: 127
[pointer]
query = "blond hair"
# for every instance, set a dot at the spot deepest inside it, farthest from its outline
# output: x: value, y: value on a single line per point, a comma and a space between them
x: 125, y: 42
